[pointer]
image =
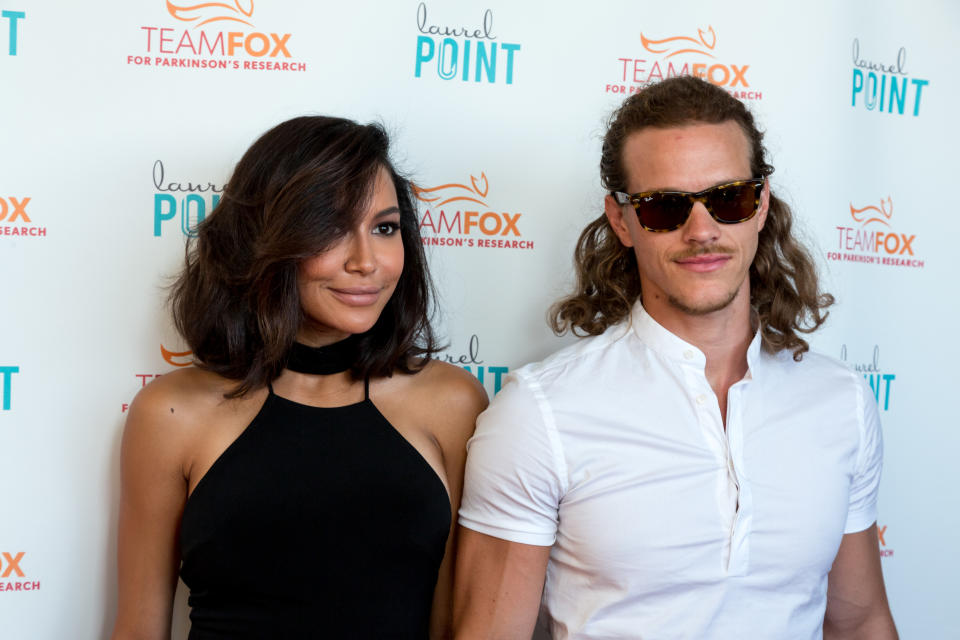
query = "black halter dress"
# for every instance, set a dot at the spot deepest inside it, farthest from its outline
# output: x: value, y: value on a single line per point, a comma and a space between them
x: 314, y: 523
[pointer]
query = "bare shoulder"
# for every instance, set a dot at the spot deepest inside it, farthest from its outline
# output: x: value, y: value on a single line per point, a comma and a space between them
x: 185, y: 390
x: 446, y: 399
x: 454, y: 388
x: 451, y: 391
x: 166, y: 413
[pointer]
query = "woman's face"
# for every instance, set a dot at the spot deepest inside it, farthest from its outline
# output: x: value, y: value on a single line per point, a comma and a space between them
x: 344, y: 289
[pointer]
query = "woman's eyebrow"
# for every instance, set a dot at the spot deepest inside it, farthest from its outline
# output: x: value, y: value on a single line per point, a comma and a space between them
x: 386, y: 212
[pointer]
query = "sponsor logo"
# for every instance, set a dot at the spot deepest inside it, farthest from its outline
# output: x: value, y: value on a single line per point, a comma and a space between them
x: 885, y: 87
x: 6, y: 381
x: 874, y: 241
x: 15, y: 221
x: 491, y: 377
x: 11, y: 570
x: 463, y: 53
x: 173, y: 358
x: 177, y: 358
x: 885, y: 552
x: 682, y: 55
x: 192, y: 201
x: 12, y: 18
x: 880, y: 381
x: 458, y: 215
x: 214, y: 35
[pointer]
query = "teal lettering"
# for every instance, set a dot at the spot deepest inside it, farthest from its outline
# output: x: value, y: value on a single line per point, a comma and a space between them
x: 870, y: 98
x: 159, y: 199
x: 874, y: 385
x: 510, y: 49
x: 448, y: 45
x: 498, y: 373
x: 857, y: 86
x: 188, y: 223
x: 883, y: 91
x: 888, y: 378
x: 13, y: 16
x: 877, y: 381
x: 898, y: 91
x: 479, y: 372
x: 466, y: 60
x: 487, y: 61
x: 498, y: 377
x: 919, y: 84
x: 424, y: 52
x: 8, y: 384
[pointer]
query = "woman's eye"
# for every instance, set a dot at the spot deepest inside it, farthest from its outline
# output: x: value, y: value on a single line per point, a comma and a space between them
x: 386, y: 228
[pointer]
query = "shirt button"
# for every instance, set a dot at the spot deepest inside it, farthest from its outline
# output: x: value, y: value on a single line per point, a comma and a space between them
x: 688, y: 354
x: 701, y: 399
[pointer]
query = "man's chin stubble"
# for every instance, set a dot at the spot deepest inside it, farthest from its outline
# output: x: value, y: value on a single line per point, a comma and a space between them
x: 701, y: 310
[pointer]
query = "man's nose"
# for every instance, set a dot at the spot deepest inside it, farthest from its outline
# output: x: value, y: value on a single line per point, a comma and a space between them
x: 700, y: 226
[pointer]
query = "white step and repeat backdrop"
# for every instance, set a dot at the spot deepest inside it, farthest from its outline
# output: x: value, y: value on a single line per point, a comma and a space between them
x: 120, y: 122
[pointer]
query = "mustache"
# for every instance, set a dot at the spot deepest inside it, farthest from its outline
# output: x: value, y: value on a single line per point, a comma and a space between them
x: 702, y: 251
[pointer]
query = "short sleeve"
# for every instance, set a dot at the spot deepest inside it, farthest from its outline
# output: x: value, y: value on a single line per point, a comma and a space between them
x: 864, y: 488
x: 513, y: 482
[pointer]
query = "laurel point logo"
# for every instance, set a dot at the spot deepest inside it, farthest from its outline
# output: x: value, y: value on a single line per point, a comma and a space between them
x: 171, y: 357
x: 209, y: 12
x: 677, y: 45
x: 880, y: 214
x: 455, y: 192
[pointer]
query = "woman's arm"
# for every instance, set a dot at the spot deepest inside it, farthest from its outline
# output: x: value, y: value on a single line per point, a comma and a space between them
x: 454, y: 407
x: 153, y: 493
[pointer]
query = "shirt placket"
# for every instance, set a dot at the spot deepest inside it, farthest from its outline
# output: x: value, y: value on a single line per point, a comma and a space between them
x: 727, y: 448
x: 708, y: 416
x: 739, y: 539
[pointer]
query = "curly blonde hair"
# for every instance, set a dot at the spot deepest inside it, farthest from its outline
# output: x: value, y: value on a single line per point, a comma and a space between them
x: 784, y: 286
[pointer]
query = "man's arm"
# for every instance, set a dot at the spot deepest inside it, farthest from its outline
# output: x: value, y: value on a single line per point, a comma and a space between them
x: 498, y: 587
x: 514, y: 481
x: 857, y: 604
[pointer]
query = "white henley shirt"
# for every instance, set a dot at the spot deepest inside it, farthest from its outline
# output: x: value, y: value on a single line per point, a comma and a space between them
x: 662, y: 523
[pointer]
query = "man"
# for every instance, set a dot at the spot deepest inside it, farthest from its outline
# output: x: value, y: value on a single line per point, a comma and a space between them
x: 689, y: 470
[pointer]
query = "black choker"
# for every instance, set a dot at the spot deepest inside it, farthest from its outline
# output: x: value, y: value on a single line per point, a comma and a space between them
x: 321, y: 361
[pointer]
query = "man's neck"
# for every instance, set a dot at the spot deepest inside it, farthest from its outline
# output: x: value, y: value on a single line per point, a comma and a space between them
x: 723, y: 336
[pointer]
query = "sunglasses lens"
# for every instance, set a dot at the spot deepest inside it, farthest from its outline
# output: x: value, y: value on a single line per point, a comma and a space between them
x: 734, y: 203
x: 663, y: 211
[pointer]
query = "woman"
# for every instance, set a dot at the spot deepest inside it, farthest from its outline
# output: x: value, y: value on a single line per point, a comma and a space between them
x: 304, y: 475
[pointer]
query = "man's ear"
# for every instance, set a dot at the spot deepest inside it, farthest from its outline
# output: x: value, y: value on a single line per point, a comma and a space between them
x: 764, y: 205
x: 614, y: 211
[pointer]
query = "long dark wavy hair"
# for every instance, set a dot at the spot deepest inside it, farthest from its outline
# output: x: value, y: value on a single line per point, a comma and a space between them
x: 784, y: 286
x: 299, y: 189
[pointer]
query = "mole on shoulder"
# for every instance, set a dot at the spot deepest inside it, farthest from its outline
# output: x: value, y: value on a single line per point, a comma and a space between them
x: 171, y: 409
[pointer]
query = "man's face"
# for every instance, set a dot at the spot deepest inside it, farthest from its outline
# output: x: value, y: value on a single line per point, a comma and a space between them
x: 702, y: 267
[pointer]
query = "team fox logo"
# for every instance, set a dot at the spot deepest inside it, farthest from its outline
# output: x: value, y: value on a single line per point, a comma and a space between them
x: 171, y: 357
x: 211, y: 12
x: 455, y: 192
x: 703, y: 44
x: 869, y: 214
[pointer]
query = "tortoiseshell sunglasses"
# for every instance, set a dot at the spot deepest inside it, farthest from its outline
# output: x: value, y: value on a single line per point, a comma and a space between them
x: 667, y: 210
